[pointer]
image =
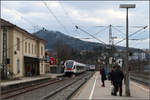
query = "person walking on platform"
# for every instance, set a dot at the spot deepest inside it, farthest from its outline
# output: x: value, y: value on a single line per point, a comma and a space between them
x: 110, y: 78
x: 110, y: 73
x: 103, y: 76
x: 117, y: 77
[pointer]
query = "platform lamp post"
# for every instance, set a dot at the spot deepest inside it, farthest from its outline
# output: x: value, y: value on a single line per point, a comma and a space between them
x: 127, y: 75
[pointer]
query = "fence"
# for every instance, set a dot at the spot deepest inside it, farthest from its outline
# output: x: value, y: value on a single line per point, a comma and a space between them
x: 55, y: 69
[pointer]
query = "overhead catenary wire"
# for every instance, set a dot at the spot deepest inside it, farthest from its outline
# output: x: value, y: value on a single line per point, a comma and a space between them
x: 84, y: 38
x: 91, y: 35
x: 141, y: 39
x: 30, y: 23
x: 71, y: 21
x: 101, y: 30
x: 68, y: 17
x: 51, y: 12
x: 25, y: 19
x: 132, y: 34
x: 66, y: 13
x: 14, y: 45
x: 118, y: 30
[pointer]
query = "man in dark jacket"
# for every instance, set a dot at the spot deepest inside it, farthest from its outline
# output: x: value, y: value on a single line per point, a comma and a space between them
x: 103, y: 76
x: 110, y: 73
x: 117, y: 77
x: 110, y: 78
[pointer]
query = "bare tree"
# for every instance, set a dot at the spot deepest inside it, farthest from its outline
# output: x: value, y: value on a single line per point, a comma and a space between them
x: 63, y: 50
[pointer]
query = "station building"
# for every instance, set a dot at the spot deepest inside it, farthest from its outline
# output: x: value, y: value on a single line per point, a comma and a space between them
x: 24, y: 51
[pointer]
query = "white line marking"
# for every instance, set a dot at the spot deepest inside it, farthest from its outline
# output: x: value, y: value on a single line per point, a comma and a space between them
x: 91, y: 94
x: 140, y: 87
x: 120, y: 98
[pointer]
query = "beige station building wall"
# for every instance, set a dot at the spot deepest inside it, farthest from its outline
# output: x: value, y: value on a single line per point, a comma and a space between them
x: 25, y: 51
x: 1, y: 43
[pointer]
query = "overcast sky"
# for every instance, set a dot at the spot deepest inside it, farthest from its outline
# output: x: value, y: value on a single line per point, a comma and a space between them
x: 86, y: 14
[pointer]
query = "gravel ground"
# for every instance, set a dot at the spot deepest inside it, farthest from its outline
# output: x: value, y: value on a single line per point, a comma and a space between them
x: 68, y: 91
x: 63, y: 95
x: 37, y: 94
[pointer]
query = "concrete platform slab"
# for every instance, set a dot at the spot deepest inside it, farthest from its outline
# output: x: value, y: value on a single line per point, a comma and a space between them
x: 93, y: 90
x: 29, y: 79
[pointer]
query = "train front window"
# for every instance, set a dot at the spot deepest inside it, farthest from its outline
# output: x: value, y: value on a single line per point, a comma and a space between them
x: 69, y: 64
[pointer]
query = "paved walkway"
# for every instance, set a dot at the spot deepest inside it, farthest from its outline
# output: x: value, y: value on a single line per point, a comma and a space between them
x: 93, y: 90
x: 28, y: 79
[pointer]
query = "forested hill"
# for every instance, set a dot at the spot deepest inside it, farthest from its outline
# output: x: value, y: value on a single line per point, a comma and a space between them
x: 53, y: 36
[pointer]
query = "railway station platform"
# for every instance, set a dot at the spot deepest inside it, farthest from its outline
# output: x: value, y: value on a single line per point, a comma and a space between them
x: 29, y: 79
x: 93, y: 90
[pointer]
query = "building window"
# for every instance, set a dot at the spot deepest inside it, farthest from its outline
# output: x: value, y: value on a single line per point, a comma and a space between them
x: 18, y: 66
x: 35, y: 49
x: 25, y: 47
x: 18, y: 44
x: 41, y: 51
x: 32, y: 48
x: 41, y: 67
x: 29, y: 48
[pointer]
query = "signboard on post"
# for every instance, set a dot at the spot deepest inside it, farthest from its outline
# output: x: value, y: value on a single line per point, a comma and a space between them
x: 120, y: 62
x: 99, y: 61
x: 110, y: 60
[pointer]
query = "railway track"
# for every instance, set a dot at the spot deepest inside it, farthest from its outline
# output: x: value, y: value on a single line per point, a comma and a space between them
x: 20, y: 90
x: 65, y: 92
x: 140, y: 80
x: 45, y: 90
